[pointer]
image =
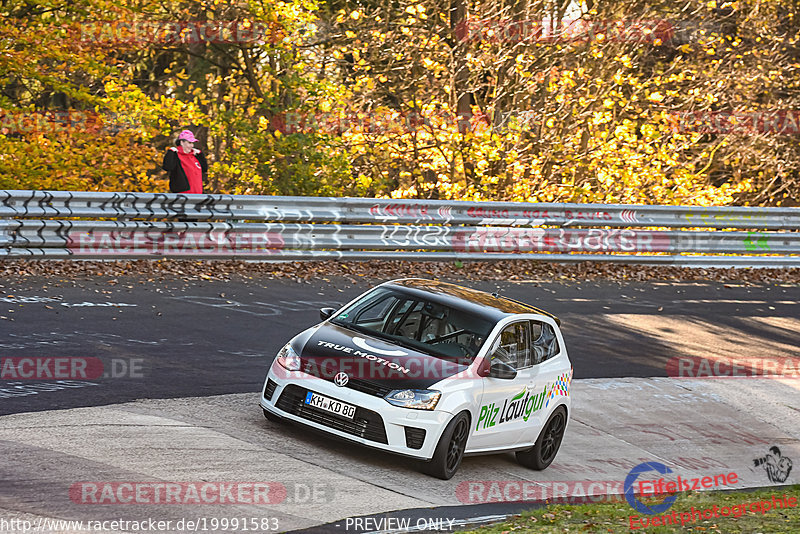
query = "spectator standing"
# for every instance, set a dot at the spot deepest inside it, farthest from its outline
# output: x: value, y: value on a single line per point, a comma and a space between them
x: 186, y: 165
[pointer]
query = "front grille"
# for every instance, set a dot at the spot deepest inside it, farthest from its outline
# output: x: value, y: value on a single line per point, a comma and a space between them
x: 415, y: 437
x: 269, y: 390
x: 370, y: 388
x: 365, y: 424
x: 358, y: 384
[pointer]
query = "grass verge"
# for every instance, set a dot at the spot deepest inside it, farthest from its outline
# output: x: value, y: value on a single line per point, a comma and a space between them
x: 621, y: 517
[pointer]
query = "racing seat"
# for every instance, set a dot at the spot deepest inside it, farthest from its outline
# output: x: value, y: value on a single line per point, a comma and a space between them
x: 425, y: 324
x: 410, y: 326
x: 433, y: 328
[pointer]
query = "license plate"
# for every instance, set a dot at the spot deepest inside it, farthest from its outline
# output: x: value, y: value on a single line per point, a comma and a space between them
x: 330, y: 405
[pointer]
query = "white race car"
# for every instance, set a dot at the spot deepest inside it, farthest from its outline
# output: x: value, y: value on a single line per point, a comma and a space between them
x: 432, y: 371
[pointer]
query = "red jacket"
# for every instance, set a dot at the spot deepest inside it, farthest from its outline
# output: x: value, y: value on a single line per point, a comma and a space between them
x: 178, y: 183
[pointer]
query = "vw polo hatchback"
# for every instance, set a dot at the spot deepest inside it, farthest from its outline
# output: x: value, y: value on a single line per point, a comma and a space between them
x: 432, y: 371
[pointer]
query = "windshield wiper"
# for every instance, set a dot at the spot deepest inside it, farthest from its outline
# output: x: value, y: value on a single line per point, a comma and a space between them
x: 404, y: 342
x: 368, y: 331
x: 351, y: 326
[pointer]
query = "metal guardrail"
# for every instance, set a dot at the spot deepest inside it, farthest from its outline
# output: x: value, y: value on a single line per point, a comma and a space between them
x: 67, y: 204
x: 48, y: 224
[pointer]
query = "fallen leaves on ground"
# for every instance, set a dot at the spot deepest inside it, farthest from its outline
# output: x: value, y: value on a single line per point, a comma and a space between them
x: 306, y: 271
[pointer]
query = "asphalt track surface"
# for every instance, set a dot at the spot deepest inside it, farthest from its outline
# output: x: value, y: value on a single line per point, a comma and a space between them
x: 168, y: 339
x: 196, y: 353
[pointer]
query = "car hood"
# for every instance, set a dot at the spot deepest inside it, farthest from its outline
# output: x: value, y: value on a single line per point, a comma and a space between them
x: 332, y: 349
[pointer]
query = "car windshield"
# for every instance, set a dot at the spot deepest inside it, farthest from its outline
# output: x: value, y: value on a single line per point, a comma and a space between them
x: 417, y: 323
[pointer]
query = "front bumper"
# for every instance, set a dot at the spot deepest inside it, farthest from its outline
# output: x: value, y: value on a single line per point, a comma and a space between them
x: 376, y: 423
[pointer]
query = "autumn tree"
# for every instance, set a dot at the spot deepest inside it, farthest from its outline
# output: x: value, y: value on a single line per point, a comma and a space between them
x: 580, y: 105
x: 654, y: 102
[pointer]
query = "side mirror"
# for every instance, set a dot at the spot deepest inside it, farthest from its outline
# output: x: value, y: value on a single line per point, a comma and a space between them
x: 501, y: 369
x: 484, y: 368
x: 324, y: 313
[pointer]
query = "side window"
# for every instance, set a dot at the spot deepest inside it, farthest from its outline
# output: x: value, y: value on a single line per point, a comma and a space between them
x: 545, y: 343
x: 376, y: 311
x: 536, y: 331
x: 514, y: 345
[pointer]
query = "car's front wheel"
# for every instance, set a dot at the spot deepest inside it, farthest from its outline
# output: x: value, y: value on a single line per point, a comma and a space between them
x: 544, y: 451
x: 450, y: 449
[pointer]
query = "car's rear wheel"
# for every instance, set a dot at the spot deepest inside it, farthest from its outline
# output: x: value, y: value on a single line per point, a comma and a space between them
x: 450, y: 449
x: 544, y: 451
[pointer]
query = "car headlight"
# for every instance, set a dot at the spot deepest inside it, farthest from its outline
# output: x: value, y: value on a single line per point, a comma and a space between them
x: 288, y: 358
x: 417, y: 399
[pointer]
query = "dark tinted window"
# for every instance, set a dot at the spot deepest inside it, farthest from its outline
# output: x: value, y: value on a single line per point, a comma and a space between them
x: 376, y: 310
x: 420, y: 323
x: 545, y: 342
x: 514, y: 345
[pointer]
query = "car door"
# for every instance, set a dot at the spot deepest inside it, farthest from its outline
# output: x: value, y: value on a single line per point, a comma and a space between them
x: 545, y: 376
x: 501, y: 415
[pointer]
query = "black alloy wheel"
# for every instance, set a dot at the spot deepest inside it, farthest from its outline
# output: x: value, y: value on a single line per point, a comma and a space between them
x: 450, y: 449
x: 546, y: 447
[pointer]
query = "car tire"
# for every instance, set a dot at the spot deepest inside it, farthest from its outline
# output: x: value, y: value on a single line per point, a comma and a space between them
x: 271, y: 417
x: 544, y: 451
x: 450, y: 449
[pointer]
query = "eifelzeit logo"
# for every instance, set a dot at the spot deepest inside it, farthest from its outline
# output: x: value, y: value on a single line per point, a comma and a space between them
x: 522, y: 405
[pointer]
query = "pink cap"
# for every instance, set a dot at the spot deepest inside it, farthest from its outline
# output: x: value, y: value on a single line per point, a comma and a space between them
x: 188, y: 136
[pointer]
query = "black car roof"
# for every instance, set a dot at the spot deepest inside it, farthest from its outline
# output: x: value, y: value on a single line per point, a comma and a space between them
x: 472, y: 300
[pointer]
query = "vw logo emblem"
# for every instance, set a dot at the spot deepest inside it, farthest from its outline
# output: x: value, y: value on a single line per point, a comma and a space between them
x: 341, y: 379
